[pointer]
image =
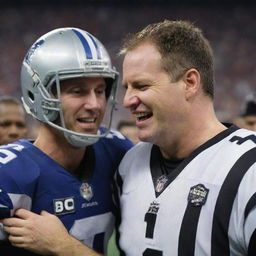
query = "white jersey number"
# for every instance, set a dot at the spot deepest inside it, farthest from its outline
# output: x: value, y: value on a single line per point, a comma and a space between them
x: 7, y: 155
x: 86, y: 229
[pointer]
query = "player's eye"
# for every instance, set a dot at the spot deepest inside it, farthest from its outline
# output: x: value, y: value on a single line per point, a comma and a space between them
x: 141, y: 87
x: 100, y: 91
x: 5, y: 124
x: 76, y: 90
x: 20, y: 125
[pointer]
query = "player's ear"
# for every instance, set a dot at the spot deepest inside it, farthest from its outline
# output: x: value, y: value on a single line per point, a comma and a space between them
x: 192, y: 81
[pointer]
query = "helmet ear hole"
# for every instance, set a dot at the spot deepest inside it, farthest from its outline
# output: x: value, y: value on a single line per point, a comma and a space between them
x: 31, y: 96
x: 109, y: 83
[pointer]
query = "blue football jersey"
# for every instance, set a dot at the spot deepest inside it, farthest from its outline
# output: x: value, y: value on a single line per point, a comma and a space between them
x: 30, y: 179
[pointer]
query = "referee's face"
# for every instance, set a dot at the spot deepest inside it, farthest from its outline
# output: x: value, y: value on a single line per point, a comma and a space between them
x: 157, y: 104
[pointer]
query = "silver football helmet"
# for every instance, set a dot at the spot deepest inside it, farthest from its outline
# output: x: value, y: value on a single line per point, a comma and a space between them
x: 61, y: 54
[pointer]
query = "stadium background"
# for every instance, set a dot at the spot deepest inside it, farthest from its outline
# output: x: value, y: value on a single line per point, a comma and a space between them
x: 230, y: 27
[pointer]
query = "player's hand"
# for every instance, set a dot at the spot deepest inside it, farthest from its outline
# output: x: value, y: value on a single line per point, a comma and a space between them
x: 38, y: 233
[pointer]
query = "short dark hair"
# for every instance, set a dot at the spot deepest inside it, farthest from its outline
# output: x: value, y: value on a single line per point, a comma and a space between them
x: 182, y: 46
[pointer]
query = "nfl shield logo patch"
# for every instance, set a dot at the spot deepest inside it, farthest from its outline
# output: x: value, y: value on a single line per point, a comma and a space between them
x: 197, y: 195
x: 86, y: 191
x: 160, y: 183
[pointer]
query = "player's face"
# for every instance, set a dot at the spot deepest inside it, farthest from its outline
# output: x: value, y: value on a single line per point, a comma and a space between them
x: 156, y: 102
x: 83, y: 103
x: 12, y: 123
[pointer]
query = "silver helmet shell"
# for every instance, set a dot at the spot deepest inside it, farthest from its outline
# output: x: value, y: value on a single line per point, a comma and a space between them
x: 61, y: 54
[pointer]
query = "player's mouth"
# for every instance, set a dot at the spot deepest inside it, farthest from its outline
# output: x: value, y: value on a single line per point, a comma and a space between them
x: 87, y: 124
x: 142, y: 116
x: 86, y: 120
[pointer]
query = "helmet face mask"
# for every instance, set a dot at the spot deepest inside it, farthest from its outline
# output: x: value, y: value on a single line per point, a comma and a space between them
x: 62, y: 54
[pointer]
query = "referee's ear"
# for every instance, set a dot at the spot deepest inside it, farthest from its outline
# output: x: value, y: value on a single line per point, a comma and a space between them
x: 192, y: 81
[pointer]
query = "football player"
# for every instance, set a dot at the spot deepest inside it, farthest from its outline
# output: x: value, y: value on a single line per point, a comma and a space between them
x: 67, y: 82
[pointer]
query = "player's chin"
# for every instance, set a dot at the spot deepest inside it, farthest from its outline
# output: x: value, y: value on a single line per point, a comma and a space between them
x: 89, y: 130
x: 144, y: 136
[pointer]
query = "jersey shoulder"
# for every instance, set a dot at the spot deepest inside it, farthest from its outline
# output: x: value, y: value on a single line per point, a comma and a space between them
x: 138, y: 156
x: 112, y: 148
x: 14, y: 154
x: 242, y: 141
x: 244, y: 136
x: 19, y: 157
x: 117, y: 141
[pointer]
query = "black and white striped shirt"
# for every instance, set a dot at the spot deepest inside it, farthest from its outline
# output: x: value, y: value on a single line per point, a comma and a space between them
x: 206, y: 206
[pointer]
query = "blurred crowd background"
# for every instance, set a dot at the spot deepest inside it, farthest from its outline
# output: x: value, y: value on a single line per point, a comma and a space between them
x: 230, y: 28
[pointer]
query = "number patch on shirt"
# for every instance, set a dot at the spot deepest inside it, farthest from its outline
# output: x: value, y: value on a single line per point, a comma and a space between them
x: 64, y: 205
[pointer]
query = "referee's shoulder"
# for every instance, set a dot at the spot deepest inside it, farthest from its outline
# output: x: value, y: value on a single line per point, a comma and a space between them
x: 244, y: 137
